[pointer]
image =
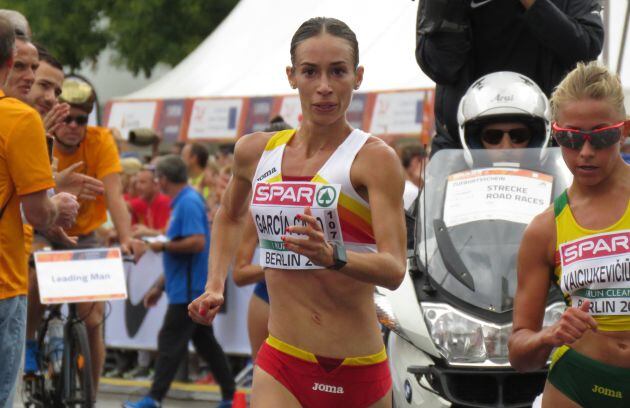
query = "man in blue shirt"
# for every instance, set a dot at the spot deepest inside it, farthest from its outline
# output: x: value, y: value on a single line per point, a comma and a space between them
x: 185, y: 257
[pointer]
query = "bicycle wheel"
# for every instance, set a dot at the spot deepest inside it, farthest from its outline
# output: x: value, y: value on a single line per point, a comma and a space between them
x: 43, y: 389
x: 77, y: 368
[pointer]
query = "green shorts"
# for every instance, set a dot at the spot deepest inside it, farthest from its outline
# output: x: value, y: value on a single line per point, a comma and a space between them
x: 588, y: 382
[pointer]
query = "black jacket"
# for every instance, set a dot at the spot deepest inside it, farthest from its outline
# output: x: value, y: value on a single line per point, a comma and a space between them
x: 544, y: 43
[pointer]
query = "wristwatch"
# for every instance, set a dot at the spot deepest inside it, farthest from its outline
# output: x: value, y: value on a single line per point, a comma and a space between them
x: 340, y: 259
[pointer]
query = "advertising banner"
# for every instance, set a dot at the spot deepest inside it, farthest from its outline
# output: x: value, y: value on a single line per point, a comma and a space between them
x: 171, y: 118
x: 215, y: 118
x: 132, y: 115
x: 291, y: 110
x: 130, y: 325
x: 398, y: 113
x: 258, y: 114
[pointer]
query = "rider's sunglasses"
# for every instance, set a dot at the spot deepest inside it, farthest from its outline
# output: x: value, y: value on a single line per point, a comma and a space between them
x: 598, y: 138
x: 494, y: 136
x: 80, y: 120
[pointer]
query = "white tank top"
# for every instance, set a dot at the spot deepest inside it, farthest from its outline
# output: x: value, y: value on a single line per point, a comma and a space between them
x: 352, y: 214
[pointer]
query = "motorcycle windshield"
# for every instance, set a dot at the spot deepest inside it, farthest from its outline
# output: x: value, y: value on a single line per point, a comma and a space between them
x: 472, y: 218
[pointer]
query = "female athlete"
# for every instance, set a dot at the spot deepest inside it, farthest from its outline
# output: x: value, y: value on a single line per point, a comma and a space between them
x: 327, y: 204
x: 584, y: 240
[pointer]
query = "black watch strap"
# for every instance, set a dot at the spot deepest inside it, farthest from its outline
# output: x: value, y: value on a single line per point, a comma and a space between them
x: 340, y: 258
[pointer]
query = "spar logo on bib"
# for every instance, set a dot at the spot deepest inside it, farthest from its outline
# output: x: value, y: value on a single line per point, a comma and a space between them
x: 595, y: 246
x: 326, y: 195
x: 291, y: 194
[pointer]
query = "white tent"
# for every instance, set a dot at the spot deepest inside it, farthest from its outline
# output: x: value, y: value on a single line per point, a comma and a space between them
x: 247, y: 54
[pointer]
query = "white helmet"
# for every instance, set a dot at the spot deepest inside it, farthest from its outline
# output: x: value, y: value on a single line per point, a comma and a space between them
x: 503, y: 96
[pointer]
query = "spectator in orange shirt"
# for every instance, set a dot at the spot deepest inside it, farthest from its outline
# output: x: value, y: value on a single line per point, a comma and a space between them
x: 22, y: 76
x: 95, y: 147
x: 151, y: 209
x: 42, y: 97
x: 24, y: 178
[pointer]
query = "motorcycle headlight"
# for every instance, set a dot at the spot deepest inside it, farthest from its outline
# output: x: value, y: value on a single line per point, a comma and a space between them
x: 463, y: 339
x: 459, y: 338
x: 385, y: 313
x: 553, y: 313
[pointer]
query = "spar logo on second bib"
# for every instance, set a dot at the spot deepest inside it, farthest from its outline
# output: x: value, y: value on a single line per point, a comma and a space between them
x: 326, y: 195
x: 291, y: 194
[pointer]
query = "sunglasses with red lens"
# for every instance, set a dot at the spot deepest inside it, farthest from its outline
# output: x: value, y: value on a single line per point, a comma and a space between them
x: 598, y: 138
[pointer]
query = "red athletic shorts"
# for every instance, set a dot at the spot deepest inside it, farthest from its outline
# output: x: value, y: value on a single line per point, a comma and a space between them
x: 326, y: 382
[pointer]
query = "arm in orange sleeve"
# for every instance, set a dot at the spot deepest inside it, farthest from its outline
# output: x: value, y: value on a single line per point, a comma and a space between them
x: 118, y: 208
x: 27, y: 159
x: 108, y: 159
x: 27, y: 156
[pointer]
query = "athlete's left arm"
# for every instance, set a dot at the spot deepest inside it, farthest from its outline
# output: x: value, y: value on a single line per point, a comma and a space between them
x: 384, y: 183
x: 118, y: 209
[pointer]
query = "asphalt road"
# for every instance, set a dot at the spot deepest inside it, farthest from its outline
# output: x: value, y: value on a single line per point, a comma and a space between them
x: 107, y: 400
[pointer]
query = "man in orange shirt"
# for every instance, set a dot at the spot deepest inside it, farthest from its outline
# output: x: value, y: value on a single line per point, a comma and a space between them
x: 42, y: 97
x: 95, y: 148
x: 25, y: 175
x: 22, y: 75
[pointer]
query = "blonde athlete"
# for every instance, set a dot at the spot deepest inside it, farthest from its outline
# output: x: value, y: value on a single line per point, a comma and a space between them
x: 325, y: 347
x: 581, y: 244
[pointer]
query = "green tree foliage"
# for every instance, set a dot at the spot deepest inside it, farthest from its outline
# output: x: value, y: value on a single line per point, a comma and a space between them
x: 146, y: 32
x: 69, y: 29
x: 142, y: 33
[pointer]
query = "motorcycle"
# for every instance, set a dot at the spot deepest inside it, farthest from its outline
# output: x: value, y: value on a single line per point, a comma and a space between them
x: 448, y: 324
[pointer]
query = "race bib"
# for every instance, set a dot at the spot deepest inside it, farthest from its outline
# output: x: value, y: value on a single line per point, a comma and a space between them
x: 276, y: 206
x: 597, y: 268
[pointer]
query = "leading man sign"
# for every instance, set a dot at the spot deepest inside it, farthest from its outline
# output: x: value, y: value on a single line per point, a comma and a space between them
x: 86, y: 275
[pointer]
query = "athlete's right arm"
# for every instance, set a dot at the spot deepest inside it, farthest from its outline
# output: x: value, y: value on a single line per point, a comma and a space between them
x: 528, y: 349
x: 227, y: 226
x: 244, y: 271
x: 530, y: 344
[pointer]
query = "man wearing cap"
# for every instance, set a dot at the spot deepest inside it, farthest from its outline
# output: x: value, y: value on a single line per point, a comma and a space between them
x: 24, y: 179
x: 95, y: 148
x: 42, y: 97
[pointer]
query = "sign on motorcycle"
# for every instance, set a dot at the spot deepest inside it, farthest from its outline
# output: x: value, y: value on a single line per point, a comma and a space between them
x: 507, y: 194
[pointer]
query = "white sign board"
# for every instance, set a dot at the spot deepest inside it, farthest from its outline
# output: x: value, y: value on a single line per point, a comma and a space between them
x: 86, y: 275
x: 496, y: 194
x: 291, y: 110
x: 215, y: 118
x: 126, y: 116
x: 398, y: 113
x: 130, y: 325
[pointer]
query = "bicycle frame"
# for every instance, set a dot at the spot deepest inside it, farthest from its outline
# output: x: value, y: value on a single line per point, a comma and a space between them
x: 60, y: 390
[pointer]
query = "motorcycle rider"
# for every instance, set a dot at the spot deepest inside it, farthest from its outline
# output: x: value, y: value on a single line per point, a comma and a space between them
x: 503, y: 110
x: 500, y: 115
